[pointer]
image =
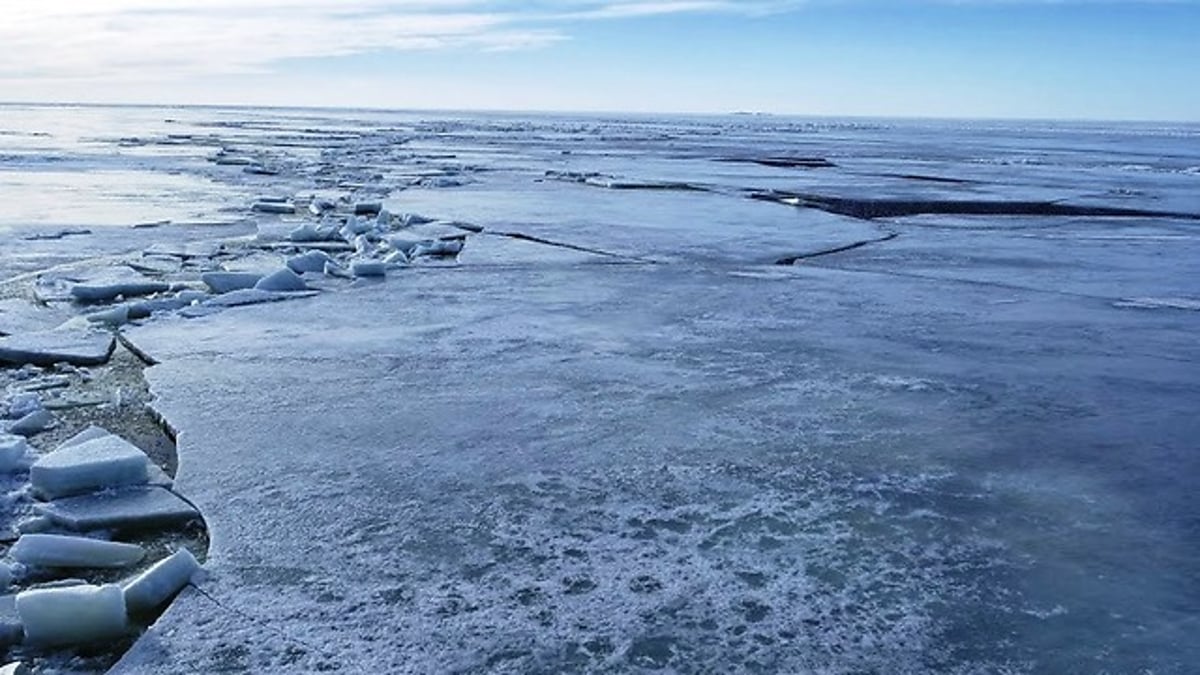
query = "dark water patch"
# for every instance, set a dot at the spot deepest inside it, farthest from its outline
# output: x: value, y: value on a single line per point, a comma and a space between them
x: 869, y: 209
x: 783, y: 162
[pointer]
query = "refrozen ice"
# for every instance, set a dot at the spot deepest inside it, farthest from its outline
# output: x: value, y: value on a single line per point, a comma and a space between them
x: 46, y: 348
x: 60, y: 550
x: 138, y: 507
x: 72, y: 616
x: 313, y: 261
x: 105, y: 462
x: 283, y: 280
x: 155, y: 586
x: 224, y: 282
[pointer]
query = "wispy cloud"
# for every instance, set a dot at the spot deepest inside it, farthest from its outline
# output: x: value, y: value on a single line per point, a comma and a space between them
x: 146, y: 40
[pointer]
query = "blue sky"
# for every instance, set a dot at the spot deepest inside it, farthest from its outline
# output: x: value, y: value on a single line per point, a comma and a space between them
x: 1095, y: 59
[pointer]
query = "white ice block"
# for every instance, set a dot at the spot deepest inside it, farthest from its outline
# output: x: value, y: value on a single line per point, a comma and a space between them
x: 58, y: 550
x: 15, y: 668
x: 283, y: 280
x: 105, y: 462
x: 152, y: 588
x: 72, y: 616
x: 13, y: 450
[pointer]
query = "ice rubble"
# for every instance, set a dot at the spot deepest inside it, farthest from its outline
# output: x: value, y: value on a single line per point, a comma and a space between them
x: 96, y: 463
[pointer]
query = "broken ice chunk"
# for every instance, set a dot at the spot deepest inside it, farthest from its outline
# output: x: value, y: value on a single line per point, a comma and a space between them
x: 443, y: 248
x: 13, y: 450
x: 313, y: 261
x: 223, y: 282
x: 367, y: 208
x: 10, y: 623
x: 6, y: 575
x: 139, y: 507
x: 104, y: 462
x: 355, y: 226
x: 368, y: 268
x: 60, y: 550
x: 156, y: 585
x: 281, y: 281
x: 16, y: 667
x: 34, y: 423
x: 22, y: 404
x: 308, y: 233
x: 46, y: 348
x: 111, y: 291
x: 73, y: 615
x: 273, y: 207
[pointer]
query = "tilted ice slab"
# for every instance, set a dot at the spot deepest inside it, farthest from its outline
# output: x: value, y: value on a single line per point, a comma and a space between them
x: 74, y: 615
x: 281, y: 281
x: 111, y: 291
x: 46, y: 348
x: 59, y: 550
x: 106, y: 461
x: 156, y: 585
x: 224, y: 282
x: 135, y: 507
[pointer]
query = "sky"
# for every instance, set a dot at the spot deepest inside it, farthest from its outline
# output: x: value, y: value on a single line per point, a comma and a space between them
x: 1073, y: 59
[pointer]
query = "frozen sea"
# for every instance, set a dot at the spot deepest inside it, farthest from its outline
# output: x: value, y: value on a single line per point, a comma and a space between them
x: 617, y: 435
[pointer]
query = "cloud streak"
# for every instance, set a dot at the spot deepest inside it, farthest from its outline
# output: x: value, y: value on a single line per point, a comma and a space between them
x: 148, y: 40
